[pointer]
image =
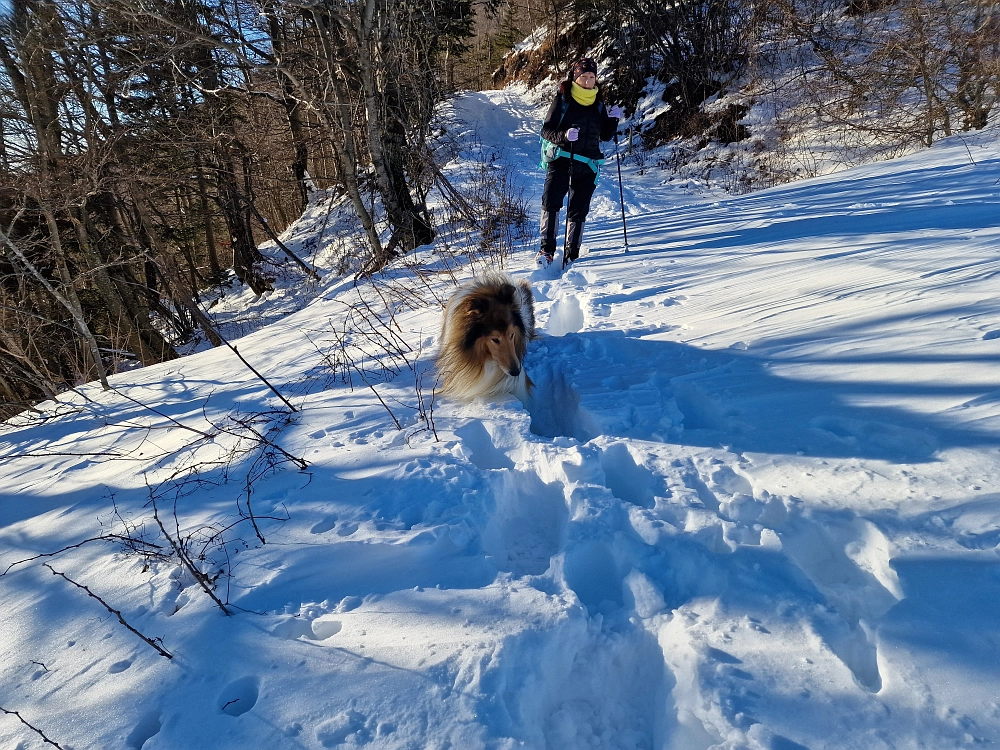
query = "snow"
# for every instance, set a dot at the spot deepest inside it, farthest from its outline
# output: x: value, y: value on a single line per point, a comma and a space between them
x: 753, y: 502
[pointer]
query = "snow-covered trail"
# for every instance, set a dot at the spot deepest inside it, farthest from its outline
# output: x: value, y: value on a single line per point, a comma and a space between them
x: 754, y: 502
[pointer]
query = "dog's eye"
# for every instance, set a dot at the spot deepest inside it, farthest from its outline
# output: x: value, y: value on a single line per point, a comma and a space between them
x: 496, y: 339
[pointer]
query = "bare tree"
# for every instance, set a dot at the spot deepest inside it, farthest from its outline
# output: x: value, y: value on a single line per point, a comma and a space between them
x: 898, y: 73
x: 149, y: 145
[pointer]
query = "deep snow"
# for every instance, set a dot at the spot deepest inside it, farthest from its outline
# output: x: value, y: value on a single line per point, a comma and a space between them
x: 754, y: 502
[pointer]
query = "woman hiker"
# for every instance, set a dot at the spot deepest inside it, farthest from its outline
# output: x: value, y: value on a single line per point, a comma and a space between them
x: 576, y: 124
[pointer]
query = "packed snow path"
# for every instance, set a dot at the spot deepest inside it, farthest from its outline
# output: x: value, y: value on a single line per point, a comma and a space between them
x: 753, y: 503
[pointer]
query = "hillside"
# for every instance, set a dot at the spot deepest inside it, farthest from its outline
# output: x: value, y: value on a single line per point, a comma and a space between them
x: 752, y: 504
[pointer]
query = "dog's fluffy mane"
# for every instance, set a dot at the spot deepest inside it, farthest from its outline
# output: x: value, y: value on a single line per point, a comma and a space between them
x: 491, y: 303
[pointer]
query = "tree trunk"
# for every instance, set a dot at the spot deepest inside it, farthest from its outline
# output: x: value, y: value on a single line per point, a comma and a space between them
x: 213, y: 251
x: 409, y: 229
x: 292, y: 107
x: 169, y: 272
x: 245, y: 252
x: 138, y: 336
x: 341, y: 131
x: 72, y: 307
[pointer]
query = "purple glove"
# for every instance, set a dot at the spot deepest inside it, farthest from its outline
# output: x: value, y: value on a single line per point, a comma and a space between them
x: 572, y: 134
x: 615, y: 112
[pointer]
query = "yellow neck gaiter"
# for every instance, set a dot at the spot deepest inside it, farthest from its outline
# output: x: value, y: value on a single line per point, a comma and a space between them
x: 583, y: 96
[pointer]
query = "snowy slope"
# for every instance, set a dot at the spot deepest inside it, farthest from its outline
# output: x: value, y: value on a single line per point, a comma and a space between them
x: 754, y: 503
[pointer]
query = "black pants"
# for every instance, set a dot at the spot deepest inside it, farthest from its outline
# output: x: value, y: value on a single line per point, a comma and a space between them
x: 557, y: 184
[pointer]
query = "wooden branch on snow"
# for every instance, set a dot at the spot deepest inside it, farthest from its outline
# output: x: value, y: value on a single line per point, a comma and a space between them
x: 33, y: 728
x: 151, y: 641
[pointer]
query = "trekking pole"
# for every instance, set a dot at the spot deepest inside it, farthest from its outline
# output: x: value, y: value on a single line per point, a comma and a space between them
x: 569, y: 196
x: 621, y: 190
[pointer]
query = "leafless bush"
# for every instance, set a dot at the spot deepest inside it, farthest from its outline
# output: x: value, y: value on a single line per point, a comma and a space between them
x: 637, y: 154
x: 890, y: 76
x: 497, y: 199
x: 237, y: 443
x: 367, y: 347
x: 425, y: 408
x: 484, y: 206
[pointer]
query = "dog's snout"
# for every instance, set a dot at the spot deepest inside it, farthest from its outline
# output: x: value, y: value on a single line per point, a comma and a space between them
x: 515, y: 369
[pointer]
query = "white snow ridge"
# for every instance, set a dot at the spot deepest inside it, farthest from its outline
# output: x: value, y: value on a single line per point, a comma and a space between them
x: 753, y: 502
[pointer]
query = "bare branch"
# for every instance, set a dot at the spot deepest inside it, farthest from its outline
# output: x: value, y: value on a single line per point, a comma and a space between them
x: 175, y: 542
x: 152, y: 642
x: 33, y: 728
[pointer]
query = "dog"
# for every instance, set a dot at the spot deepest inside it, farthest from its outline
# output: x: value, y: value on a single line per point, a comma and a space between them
x: 484, y: 337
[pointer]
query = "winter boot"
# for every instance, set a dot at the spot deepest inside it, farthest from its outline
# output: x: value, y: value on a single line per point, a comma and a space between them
x: 574, y: 235
x: 550, y: 219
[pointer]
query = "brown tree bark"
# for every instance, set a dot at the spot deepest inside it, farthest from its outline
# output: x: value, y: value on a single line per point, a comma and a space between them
x: 292, y: 105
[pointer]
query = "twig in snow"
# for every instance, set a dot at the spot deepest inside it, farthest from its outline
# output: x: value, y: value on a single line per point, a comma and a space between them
x: 203, y: 580
x: 124, y: 539
x: 247, y: 424
x: 151, y: 641
x: 430, y: 413
x: 260, y: 377
x: 969, y: 150
x: 33, y: 728
x: 380, y: 399
x: 361, y: 374
x: 165, y: 416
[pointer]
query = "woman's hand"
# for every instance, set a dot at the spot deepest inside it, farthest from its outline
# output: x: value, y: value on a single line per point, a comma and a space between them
x: 572, y: 134
x: 615, y: 112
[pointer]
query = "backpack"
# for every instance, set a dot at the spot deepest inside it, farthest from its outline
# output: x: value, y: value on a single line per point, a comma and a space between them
x: 552, y: 151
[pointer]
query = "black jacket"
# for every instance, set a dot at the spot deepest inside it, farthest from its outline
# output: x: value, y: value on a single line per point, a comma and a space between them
x: 593, y: 121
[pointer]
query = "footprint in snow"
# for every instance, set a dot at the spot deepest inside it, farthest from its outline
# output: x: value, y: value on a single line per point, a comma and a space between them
x: 527, y: 527
x: 590, y: 570
x: 173, y: 605
x: 577, y: 278
x: 313, y: 629
x: 325, y: 525
x: 325, y: 628
x: 347, y: 529
x: 239, y: 696
x: 352, y: 727
x: 627, y: 480
x: 596, y: 384
x: 849, y: 562
x: 148, y: 726
x: 119, y: 666
x: 477, y: 444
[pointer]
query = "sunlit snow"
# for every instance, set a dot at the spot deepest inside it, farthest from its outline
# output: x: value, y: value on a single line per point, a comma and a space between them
x: 753, y: 503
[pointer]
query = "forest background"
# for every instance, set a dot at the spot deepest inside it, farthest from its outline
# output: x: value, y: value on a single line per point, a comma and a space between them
x: 148, y: 147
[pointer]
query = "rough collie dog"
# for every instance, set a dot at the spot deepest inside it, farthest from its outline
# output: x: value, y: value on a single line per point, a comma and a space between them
x: 484, y: 337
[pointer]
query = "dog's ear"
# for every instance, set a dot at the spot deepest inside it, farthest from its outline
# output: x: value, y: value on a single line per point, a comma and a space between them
x: 505, y: 294
x: 476, y: 306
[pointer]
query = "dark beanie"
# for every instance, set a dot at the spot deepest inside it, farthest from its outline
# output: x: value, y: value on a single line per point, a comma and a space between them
x: 584, y: 65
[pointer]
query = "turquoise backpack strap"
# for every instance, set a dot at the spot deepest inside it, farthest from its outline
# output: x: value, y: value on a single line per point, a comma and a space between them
x: 552, y: 151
